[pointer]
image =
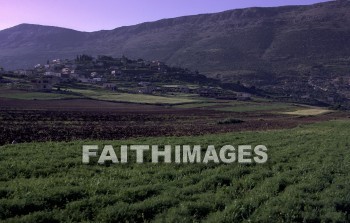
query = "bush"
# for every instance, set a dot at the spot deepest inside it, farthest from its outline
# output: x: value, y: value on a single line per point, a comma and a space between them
x: 230, y: 121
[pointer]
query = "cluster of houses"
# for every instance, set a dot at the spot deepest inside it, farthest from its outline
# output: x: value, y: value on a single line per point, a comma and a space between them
x: 43, y: 77
x: 97, y: 72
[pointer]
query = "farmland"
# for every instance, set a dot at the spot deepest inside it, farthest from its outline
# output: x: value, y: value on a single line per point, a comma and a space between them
x: 42, y: 178
x: 66, y: 120
x: 311, y: 111
x: 305, y: 179
x: 94, y: 94
x: 133, y: 98
x: 235, y: 116
x: 13, y: 94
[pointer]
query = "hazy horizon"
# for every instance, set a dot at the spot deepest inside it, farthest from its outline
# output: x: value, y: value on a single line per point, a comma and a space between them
x: 108, y: 14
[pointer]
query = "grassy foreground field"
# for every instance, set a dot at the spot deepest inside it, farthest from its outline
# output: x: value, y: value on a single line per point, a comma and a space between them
x: 306, y: 179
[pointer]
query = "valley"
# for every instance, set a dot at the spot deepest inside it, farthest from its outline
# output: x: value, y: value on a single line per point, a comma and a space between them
x: 270, y: 83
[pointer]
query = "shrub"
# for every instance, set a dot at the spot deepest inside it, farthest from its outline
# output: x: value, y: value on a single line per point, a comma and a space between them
x: 230, y: 121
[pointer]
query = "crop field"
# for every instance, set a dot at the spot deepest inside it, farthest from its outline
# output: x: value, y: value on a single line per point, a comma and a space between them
x: 66, y: 120
x: 246, y: 107
x: 311, y: 111
x: 240, y: 106
x: 98, y: 95
x: 306, y: 179
x: 16, y: 94
x: 133, y: 98
x: 206, y: 105
x: 42, y: 178
x: 142, y: 98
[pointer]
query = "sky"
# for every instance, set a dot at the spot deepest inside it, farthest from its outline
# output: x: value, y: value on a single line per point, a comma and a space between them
x: 94, y: 15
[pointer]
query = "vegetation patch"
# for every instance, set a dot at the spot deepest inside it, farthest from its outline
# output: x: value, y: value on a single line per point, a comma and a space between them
x: 133, y: 98
x: 306, y: 179
x: 252, y: 106
x: 309, y: 112
x: 230, y: 121
x: 25, y: 95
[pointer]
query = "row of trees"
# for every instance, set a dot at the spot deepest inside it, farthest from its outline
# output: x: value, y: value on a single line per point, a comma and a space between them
x: 84, y: 58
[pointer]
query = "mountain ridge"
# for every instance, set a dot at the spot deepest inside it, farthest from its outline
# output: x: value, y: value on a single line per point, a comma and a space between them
x: 81, y: 41
x: 253, y: 45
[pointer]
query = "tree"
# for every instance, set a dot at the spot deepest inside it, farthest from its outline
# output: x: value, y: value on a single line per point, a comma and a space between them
x: 86, y: 58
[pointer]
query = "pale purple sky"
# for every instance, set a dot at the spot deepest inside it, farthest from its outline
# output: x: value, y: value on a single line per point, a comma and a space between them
x: 93, y: 15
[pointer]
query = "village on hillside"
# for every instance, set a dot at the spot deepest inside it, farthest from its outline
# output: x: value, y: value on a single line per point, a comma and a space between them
x: 116, y: 74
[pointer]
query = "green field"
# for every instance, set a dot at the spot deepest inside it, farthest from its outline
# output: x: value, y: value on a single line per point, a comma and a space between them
x: 239, y: 106
x: 206, y: 105
x: 249, y: 106
x: 97, y: 94
x: 309, y: 111
x: 134, y: 98
x: 177, y: 100
x: 305, y: 180
x: 13, y: 94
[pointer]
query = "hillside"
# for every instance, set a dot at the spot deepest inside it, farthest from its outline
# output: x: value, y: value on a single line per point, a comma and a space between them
x: 283, y: 49
x: 222, y: 41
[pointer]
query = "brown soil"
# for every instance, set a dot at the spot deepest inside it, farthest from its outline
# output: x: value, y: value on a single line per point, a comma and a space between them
x: 65, y: 120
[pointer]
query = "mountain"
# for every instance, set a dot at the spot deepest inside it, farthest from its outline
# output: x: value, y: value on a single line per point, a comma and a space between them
x: 259, y: 46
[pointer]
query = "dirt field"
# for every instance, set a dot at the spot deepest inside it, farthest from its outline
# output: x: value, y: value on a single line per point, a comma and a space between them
x: 65, y: 120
